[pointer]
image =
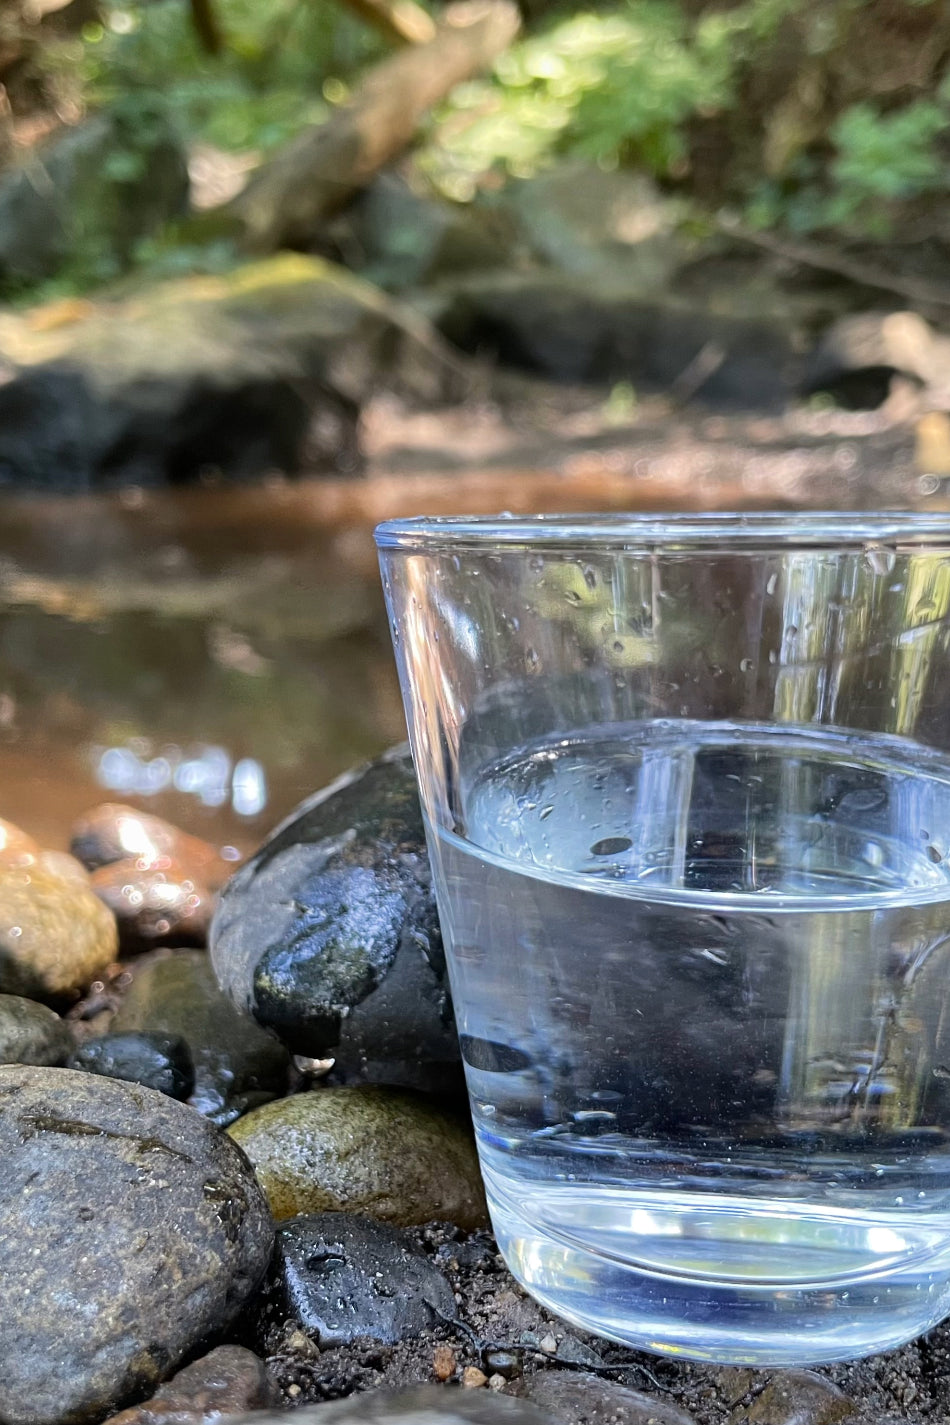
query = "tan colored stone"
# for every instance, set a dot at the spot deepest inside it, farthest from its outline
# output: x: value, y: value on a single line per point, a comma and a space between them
x: 56, y: 937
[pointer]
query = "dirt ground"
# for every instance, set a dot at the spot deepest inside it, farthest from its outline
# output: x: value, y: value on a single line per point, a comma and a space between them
x: 911, y: 1385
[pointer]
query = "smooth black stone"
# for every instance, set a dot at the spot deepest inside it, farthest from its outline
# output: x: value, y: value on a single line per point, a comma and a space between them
x: 345, y: 1277
x: 330, y: 936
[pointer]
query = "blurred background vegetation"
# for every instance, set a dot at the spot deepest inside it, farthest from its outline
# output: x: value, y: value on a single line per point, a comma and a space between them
x: 810, y: 117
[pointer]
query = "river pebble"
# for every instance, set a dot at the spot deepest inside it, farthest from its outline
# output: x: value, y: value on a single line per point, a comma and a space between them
x: 229, y: 1380
x: 30, y: 1033
x: 154, y: 904
x: 571, y: 1396
x: 345, y: 1277
x: 157, y: 1061
x: 114, y: 832
x: 330, y: 935
x: 56, y: 936
x: 130, y: 1230
x: 385, y: 1153
x: 237, y: 1064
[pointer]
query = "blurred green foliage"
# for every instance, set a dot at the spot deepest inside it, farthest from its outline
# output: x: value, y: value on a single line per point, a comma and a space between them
x: 628, y: 84
x: 268, y: 82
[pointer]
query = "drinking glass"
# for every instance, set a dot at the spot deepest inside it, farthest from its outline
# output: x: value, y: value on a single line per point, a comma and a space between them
x: 686, y: 783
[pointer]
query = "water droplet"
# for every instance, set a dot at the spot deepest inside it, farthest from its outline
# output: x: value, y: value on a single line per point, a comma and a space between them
x: 573, y: 597
x: 935, y: 855
x: 772, y: 584
x: 746, y: 665
x: 590, y: 577
x: 545, y: 812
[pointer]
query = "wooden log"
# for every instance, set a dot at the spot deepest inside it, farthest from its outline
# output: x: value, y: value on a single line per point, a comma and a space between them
x: 291, y: 196
x: 402, y: 22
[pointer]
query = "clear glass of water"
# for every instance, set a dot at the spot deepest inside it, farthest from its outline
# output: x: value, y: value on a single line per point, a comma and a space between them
x: 687, y: 789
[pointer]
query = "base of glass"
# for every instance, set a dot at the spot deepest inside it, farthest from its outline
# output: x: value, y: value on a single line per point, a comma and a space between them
x: 727, y: 1281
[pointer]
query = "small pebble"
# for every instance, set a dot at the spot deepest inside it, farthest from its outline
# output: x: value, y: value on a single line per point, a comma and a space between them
x: 444, y: 1362
x: 548, y: 1344
x: 16, y: 847
x: 56, y: 937
x: 496, y: 1383
x: 31, y: 1034
x: 504, y: 1363
x: 114, y: 832
x: 157, y: 1061
x: 158, y: 903
x: 228, y: 1381
x: 796, y: 1398
x: 473, y: 1378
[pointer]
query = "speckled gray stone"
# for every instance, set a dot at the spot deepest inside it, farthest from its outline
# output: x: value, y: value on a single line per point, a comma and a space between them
x: 130, y: 1229
x: 31, y: 1034
x: 329, y: 934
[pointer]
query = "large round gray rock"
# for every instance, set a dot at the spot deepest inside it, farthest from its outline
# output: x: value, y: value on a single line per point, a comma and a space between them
x: 130, y: 1229
x: 344, y: 1277
x: 31, y: 1034
x: 330, y: 935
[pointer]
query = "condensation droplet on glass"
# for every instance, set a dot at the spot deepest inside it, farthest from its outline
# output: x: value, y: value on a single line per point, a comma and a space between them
x: 590, y: 577
x: 792, y: 630
x: 617, y: 646
x: 746, y: 665
x: 572, y: 597
x: 545, y: 812
x: 772, y: 584
x: 532, y: 659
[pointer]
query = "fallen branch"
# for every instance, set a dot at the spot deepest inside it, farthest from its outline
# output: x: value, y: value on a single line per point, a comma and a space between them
x: 291, y: 196
x: 401, y: 22
x: 826, y: 259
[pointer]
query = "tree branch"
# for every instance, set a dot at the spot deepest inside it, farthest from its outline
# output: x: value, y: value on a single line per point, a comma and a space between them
x: 288, y: 199
x: 402, y: 22
x: 205, y: 24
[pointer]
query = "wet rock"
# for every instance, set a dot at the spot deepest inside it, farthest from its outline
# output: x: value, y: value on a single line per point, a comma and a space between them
x: 399, y: 235
x: 571, y: 1397
x: 570, y: 329
x: 382, y: 1152
x: 101, y: 184
x: 259, y: 369
x: 154, y: 904
x: 237, y: 1064
x: 114, y: 832
x: 56, y: 936
x: 859, y: 355
x: 613, y: 225
x: 157, y: 1061
x: 345, y: 1277
x: 330, y: 935
x: 15, y: 845
x: 130, y: 1229
x: 31, y: 1034
x: 795, y: 1398
x: 228, y: 1381
x: 422, y: 1405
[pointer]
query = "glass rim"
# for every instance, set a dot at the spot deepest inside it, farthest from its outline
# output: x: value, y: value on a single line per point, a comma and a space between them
x: 755, y: 529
